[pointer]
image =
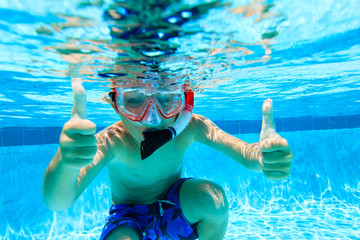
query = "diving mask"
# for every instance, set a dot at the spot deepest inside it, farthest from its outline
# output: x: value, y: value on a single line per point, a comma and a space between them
x: 138, y: 104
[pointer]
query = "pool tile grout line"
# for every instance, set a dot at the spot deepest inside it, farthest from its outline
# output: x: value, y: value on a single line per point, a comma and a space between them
x: 23, y: 135
x: 17, y: 136
x: 43, y: 135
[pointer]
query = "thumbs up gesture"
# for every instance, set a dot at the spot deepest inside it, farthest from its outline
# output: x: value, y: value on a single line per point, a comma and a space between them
x: 77, y: 140
x: 276, y: 153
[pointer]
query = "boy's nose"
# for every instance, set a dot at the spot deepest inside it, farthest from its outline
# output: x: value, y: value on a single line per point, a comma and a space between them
x: 152, y: 116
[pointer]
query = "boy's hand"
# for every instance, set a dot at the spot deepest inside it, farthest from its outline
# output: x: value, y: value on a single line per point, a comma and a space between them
x: 77, y: 140
x: 276, y: 153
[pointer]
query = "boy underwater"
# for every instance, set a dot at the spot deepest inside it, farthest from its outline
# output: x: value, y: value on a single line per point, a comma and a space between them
x: 150, y: 199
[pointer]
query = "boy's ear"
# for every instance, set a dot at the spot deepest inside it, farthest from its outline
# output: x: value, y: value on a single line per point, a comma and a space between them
x: 110, y: 99
x: 112, y: 96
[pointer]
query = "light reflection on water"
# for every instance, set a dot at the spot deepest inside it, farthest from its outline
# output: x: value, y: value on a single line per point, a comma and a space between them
x: 164, y: 41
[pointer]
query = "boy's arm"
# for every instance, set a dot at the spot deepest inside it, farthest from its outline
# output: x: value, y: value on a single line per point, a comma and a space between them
x: 245, y: 153
x: 79, y: 159
x: 272, y: 154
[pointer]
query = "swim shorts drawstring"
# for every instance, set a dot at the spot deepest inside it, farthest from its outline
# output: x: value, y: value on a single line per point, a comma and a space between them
x: 161, y: 208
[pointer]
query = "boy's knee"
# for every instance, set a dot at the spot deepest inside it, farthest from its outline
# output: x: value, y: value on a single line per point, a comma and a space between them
x: 211, y: 199
x: 214, y: 198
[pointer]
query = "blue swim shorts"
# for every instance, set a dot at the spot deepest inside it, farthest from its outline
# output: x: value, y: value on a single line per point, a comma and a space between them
x: 162, y: 220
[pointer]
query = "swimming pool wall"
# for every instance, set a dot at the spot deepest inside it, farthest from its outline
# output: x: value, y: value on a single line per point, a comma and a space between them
x: 17, y: 136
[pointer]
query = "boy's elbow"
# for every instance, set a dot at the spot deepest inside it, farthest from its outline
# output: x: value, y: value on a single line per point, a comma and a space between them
x: 56, y: 205
x: 53, y: 207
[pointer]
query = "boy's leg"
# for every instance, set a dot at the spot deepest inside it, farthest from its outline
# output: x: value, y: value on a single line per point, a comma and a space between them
x: 205, y: 203
x: 124, y: 233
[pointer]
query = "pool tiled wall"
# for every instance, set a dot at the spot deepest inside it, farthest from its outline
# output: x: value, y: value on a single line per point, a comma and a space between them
x: 17, y: 136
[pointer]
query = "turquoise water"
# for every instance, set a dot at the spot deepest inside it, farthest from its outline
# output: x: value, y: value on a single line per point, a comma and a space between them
x: 235, y: 54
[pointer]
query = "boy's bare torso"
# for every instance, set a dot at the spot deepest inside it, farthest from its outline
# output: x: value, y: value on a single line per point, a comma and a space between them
x: 137, y: 181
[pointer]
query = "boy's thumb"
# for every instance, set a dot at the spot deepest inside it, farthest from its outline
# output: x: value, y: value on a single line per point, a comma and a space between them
x: 79, y: 108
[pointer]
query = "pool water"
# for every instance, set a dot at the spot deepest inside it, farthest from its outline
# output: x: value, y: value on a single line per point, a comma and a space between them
x: 235, y: 54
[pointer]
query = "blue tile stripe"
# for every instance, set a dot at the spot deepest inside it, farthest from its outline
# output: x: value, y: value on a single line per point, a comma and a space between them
x: 17, y: 136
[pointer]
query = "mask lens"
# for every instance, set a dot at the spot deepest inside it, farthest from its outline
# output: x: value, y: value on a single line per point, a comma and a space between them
x: 134, y: 102
x: 131, y: 104
x: 170, y: 104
